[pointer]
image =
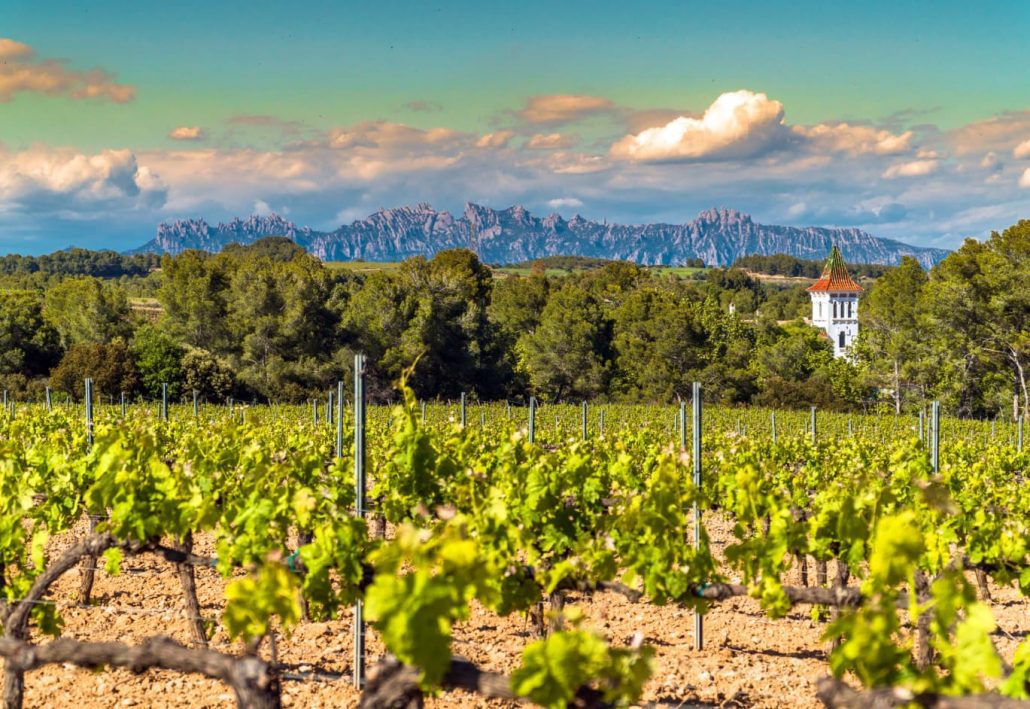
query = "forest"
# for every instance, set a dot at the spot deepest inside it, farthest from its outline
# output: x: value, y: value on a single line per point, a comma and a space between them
x: 269, y: 322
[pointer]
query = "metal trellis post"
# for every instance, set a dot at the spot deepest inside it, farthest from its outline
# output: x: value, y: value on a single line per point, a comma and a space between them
x: 359, y: 504
x: 89, y: 413
x: 935, y: 436
x: 699, y: 641
x: 532, y: 419
x: 339, y: 418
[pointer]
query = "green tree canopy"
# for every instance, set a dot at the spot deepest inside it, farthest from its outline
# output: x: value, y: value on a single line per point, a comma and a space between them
x: 893, y: 327
x: 979, y: 298
x: 110, y: 365
x: 205, y: 374
x: 87, y: 309
x: 568, y: 355
x: 158, y: 359
x: 28, y: 343
x: 660, y: 341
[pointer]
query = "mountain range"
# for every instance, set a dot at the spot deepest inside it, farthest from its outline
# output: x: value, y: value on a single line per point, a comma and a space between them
x: 718, y: 236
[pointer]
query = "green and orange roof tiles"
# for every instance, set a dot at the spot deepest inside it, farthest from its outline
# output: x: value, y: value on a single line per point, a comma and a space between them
x: 835, y: 276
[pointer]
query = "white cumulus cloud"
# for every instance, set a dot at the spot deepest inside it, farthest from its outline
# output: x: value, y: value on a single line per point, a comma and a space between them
x: 738, y: 124
x: 1022, y: 150
x: 1024, y: 179
x: 46, y: 179
x: 991, y: 162
x: 913, y: 168
x: 564, y: 203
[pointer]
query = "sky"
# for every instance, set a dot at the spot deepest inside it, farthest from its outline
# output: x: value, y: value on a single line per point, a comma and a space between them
x: 910, y: 120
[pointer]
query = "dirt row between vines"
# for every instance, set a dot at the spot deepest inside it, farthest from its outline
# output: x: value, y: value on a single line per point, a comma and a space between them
x: 748, y: 660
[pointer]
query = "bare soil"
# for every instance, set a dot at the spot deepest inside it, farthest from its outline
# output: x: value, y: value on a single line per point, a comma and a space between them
x: 748, y: 660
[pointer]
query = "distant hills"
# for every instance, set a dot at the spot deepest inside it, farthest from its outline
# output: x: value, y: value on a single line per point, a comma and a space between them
x: 718, y: 236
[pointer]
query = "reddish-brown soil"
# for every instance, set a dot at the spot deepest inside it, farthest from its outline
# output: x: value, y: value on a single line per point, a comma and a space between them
x: 748, y: 660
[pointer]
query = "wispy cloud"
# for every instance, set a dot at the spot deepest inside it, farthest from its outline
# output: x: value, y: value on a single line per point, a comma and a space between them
x: 495, y: 140
x: 550, y: 141
x: 563, y: 108
x: 855, y: 139
x: 1003, y: 133
x: 22, y: 71
x: 564, y: 203
x: 422, y: 106
x: 186, y: 133
x: 283, y: 128
x: 913, y: 168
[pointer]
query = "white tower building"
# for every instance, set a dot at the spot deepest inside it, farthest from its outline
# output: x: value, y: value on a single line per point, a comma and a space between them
x: 835, y: 304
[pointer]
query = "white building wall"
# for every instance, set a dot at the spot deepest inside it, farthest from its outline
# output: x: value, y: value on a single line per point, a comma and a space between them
x: 834, y: 323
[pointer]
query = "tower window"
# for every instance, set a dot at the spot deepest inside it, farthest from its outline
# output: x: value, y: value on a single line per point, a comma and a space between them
x: 834, y: 308
x: 849, y: 308
x: 841, y: 339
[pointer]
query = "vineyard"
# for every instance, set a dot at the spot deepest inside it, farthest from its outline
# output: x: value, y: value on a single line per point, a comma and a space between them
x: 332, y: 554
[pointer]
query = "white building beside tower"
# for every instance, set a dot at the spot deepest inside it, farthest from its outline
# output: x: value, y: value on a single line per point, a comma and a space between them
x: 835, y: 304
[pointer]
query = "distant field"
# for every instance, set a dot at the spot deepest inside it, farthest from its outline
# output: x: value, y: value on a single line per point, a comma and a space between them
x: 521, y: 271
x: 362, y: 266
x: 681, y: 271
x: 144, y: 303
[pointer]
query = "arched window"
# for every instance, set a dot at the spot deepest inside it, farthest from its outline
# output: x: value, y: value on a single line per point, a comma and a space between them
x: 841, y: 339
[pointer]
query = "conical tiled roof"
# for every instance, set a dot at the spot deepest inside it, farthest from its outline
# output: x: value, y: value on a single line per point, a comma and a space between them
x: 835, y: 276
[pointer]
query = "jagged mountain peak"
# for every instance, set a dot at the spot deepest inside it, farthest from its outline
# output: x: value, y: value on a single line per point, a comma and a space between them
x: 259, y: 222
x: 723, y: 216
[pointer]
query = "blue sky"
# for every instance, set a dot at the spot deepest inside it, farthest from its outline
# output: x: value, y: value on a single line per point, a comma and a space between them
x: 911, y: 122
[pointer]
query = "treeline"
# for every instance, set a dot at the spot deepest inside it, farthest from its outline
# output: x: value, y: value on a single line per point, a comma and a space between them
x: 784, y: 265
x: 81, y: 262
x: 270, y: 322
x: 138, y: 275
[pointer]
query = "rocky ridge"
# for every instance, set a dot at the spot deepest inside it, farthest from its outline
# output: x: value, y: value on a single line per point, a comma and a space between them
x: 718, y: 236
